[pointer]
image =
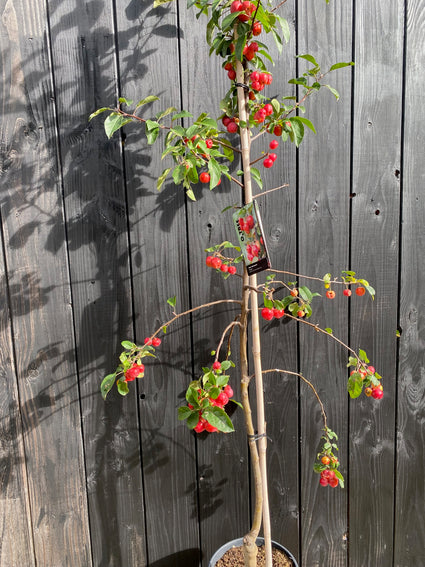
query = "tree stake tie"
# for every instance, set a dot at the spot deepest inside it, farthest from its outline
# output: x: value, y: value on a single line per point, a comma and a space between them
x: 259, y: 436
x: 243, y: 86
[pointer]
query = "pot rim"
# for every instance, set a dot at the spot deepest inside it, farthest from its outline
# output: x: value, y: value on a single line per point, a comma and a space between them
x: 239, y: 541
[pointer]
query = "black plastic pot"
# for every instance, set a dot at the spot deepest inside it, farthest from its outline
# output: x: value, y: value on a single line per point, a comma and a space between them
x: 239, y: 542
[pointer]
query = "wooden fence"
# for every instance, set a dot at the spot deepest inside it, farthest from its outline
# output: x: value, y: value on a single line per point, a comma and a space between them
x: 91, y: 251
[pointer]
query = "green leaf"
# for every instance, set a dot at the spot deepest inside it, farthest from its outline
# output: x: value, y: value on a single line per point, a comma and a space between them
x: 370, y: 289
x: 328, y: 330
x: 305, y: 293
x: 192, y: 420
x: 172, y: 301
x: 297, y: 130
x: 340, y: 65
x: 240, y: 44
x: 107, y: 384
x: 309, y: 58
x: 228, y: 20
x: 122, y: 387
x: 184, y: 413
x: 162, y: 178
x: 165, y: 112
x: 191, y: 194
x: 98, y: 111
x: 114, y: 122
x: 217, y: 417
x: 277, y: 39
x: 183, y: 113
x: 256, y: 175
x: 152, y: 131
x: 355, y: 385
x: 160, y: 2
x: 333, y: 91
x: 179, y: 173
x: 214, y: 170
x: 125, y: 101
x: 298, y: 81
x: 228, y: 152
x: 276, y: 105
x: 128, y: 345
x: 306, y: 121
x: 363, y: 356
x: 339, y: 477
x: 147, y: 100
x: 284, y: 26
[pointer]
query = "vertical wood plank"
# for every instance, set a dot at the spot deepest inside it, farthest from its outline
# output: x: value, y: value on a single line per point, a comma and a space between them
x: 224, y: 494
x: 410, y: 488
x: 84, y: 63
x: 376, y: 160
x: 324, y: 197
x: 279, y: 338
x: 40, y: 300
x: 149, y: 64
x: 15, y: 514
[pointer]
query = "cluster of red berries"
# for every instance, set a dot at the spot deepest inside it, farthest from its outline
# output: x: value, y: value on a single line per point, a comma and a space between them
x: 155, y: 342
x: 271, y: 156
x: 376, y: 391
x: 218, y: 264
x: 220, y: 401
x: 230, y: 124
x: 135, y: 371
x: 330, y: 294
x: 260, y: 79
x: 262, y: 112
x: 269, y: 313
x: 327, y: 475
x: 247, y: 8
x: 138, y: 370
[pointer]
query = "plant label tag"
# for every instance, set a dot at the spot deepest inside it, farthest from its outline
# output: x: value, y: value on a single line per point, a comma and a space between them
x: 251, y: 238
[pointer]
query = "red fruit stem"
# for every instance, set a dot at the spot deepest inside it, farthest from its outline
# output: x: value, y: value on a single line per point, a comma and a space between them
x: 255, y: 323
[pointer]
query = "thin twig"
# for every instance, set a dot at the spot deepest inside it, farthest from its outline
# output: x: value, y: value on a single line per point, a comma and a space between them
x: 334, y: 281
x: 203, y: 306
x: 270, y: 190
x: 322, y: 408
x: 320, y: 330
x: 230, y: 326
x: 278, y: 6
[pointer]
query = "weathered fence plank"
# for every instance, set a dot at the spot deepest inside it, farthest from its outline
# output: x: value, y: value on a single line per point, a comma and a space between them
x: 222, y: 460
x: 374, y: 230
x: 40, y: 303
x: 324, y: 201
x: 279, y: 338
x: 14, y: 499
x: 410, y: 488
x: 83, y: 43
x: 149, y: 64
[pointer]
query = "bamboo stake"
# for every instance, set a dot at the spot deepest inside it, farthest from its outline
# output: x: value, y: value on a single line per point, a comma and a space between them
x: 255, y: 330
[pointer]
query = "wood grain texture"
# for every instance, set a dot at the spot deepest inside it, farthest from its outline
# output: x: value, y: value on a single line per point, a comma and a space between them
x: 375, y: 240
x: 222, y: 459
x: 279, y: 338
x: 410, y: 487
x: 84, y: 62
x: 15, y: 516
x: 324, y: 202
x: 149, y: 64
x: 40, y: 295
